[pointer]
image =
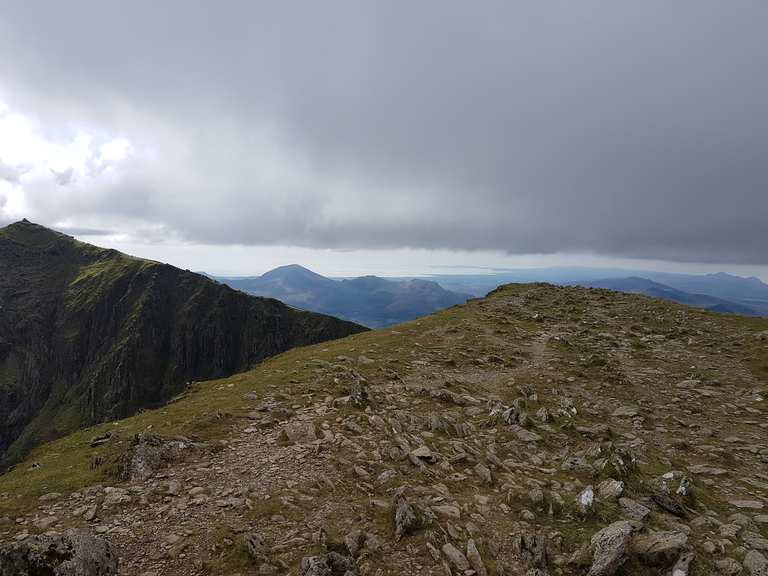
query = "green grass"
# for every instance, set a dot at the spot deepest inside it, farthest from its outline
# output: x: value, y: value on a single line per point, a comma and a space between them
x: 207, y: 412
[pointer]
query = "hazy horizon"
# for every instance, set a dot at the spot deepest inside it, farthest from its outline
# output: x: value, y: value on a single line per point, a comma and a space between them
x: 254, y: 261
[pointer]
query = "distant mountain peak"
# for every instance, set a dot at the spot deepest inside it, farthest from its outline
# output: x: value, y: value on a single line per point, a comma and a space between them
x: 295, y: 270
x: 369, y: 300
x: 31, y: 234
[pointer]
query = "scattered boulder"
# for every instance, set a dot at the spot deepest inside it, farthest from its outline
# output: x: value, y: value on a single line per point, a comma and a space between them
x: 421, y: 455
x: 525, y: 435
x: 728, y: 567
x: 756, y: 564
x: 659, y: 547
x: 407, y: 518
x: 298, y: 433
x: 473, y: 555
x: 617, y: 462
x: 610, y: 547
x: 626, y: 412
x: 149, y: 453
x: 610, y: 489
x: 633, y: 509
x: 755, y: 541
x: 73, y: 553
x: 358, y: 541
x: 359, y: 392
x: 330, y: 564
x: 484, y: 473
x: 531, y: 548
x: 577, y: 464
x: 683, y: 564
x: 747, y: 504
x: 455, y: 557
x: 101, y: 439
x: 585, y: 501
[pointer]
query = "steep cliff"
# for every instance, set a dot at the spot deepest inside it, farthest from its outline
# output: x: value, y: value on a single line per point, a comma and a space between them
x: 89, y: 334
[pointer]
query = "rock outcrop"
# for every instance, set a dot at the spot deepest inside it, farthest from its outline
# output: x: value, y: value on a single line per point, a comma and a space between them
x: 73, y: 553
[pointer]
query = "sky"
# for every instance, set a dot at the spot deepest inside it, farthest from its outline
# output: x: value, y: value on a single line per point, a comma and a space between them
x: 392, y: 137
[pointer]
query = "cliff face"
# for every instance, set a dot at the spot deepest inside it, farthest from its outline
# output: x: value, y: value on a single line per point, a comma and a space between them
x: 88, y: 334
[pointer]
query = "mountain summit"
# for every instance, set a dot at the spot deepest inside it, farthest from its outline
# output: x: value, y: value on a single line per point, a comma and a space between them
x: 89, y: 334
x: 541, y: 430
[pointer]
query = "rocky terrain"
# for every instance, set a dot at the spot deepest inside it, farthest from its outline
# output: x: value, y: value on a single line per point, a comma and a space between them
x: 88, y: 334
x: 541, y: 430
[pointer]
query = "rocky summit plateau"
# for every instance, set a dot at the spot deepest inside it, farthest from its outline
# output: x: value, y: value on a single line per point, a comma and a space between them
x: 539, y: 431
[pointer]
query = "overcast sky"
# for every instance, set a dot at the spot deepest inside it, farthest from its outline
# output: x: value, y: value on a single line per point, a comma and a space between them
x: 391, y: 136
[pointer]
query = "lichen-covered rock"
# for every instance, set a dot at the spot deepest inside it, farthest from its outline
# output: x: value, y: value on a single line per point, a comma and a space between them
x: 585, y: 501
x: 455, y: 557
x: 475, y: 559
x: 610, y: 547
x: 330, y: 564
x: 74, y: 553
x: 298, y: 433
x: 149, y: 453
x: 659, y: 547
x: 610, y: 489
x: 756, y: 564
x: 531, y: 549
x: 407, y: 518
x: 683, y: 564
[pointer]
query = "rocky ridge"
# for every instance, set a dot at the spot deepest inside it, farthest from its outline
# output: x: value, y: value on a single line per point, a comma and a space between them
x: 89, y: 334
x: 541, y: 430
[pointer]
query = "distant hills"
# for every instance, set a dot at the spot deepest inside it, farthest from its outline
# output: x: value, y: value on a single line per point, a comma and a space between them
x: 636, y: 285
x: 377, y: 302
x: 89, y: 335
x: 719, y: 292
x: 367, y: 300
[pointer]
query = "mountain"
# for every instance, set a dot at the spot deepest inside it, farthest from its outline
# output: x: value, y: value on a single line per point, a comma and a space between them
x: 540, y: 430
x: 88, y: 334
x: 636, y: 285
x: 368, y: 300
x: 750, y: 293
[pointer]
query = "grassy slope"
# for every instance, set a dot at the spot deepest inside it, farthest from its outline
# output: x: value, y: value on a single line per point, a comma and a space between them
x: 209, y: 410
x: 206, y: 412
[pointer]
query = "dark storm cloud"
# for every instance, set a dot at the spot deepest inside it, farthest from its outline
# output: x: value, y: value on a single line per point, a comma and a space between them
x: 627, y: 128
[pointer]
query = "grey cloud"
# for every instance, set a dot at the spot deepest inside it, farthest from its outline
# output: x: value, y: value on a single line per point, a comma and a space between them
x: 634, y: 129
x: 64, y: 177
x: 9, y: 173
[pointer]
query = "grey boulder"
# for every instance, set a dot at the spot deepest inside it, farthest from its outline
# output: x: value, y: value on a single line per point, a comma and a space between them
x: 73, y: 553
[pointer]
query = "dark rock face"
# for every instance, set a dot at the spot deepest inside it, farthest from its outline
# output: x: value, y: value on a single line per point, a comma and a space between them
x: 74, y: 553
x: 88, y: 334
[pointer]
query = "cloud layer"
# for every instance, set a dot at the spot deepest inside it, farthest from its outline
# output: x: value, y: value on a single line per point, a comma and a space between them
x: 624, y: 128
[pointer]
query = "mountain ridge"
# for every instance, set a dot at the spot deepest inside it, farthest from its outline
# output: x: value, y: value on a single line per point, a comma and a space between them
x: 640, y: 285
x: 369, y: 300
x: 522, y: 430
x: 88, y: 333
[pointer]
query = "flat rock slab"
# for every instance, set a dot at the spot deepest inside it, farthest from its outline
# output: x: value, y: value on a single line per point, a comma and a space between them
x: 747, y: 504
